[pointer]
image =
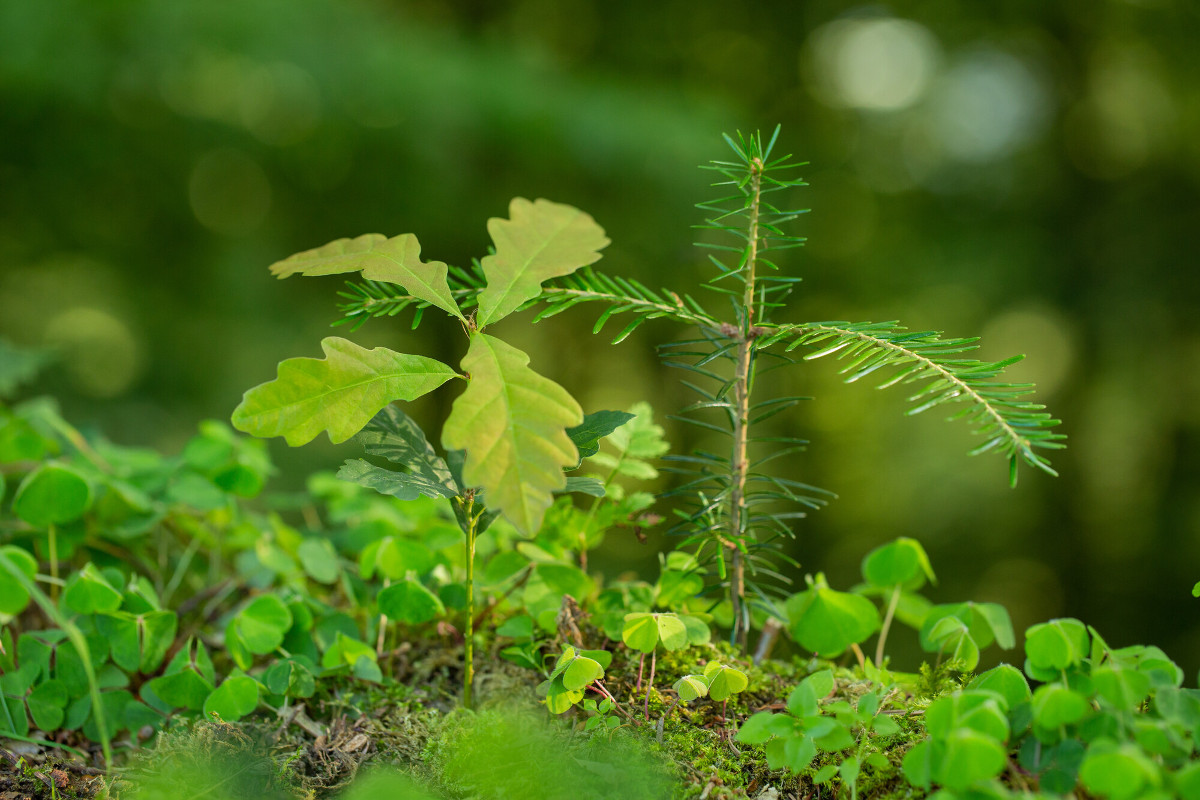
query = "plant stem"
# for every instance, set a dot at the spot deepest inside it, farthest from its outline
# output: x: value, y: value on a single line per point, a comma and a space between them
x: 662, y: 721
x: 650, y: 683
x: 52, y: 539
x: 887, y: 624
x: 739, y: 463
x: 591, y: 515
x: 379, y: 639
x: 469, y: 641
x: 599, y: 687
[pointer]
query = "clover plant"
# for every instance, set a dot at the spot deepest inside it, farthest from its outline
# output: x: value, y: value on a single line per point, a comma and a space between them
x: 141, y: 589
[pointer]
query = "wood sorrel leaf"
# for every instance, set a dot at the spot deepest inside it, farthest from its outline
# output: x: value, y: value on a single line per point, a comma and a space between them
x: 690, y: 687
x: 47, y: 704
x: 1118, y: 771
x: 581, y: 671
x: 409, y: 601
x: 979, y: 711
x: 1006, y: 681
x: 643, y: 631
x: 89, y: 592
x: 1056, y: 644
x: 828, y: 621
x: 338, y: 394
x: 233, y: 699
x: 969, y: 756
x: 51, y: 495
x: 902, y: 561
x: 724, y: 681
x: 395, y: 260
x: 262, y: 624
x: 539, y: 241
x: 805, y: 698
x: 513, y: 423
x: 13, y: 597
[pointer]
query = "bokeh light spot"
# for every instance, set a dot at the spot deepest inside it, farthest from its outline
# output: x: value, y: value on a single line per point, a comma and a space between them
x: 229, y: 192
x: 878, y: 64
x: 98, y: 350
x: 280, y: 103
x: 1126, y: 116
x: 1044, y: 336
x: 986, y: 106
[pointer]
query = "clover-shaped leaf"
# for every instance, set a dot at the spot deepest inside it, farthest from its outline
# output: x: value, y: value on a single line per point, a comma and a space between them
x: 827, y: 621
x: 902, y: 562
x: 52, y: 494
x: 724, y: 681
x: 690, y: 687
x: 409, y: 601
x: 643, y: 631
x: 1057, y: 644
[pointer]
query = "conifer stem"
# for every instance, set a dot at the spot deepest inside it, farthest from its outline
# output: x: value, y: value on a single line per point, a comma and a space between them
x: 739, y: 463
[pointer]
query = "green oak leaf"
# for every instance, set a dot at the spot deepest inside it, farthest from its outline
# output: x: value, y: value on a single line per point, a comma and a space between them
x: 539, y: 241
x: 395, y: 260
x: 595, y: 427
x: 401, y: 485
x: 584, y: 485
x: 512, y: 423
x: 338, y: 394
x: 394, y: 435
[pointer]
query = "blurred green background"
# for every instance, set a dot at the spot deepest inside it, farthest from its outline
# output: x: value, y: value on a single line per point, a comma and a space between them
x: 1027, y: 172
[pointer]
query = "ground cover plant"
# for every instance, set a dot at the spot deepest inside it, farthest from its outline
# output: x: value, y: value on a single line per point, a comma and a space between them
x: 431, y: 609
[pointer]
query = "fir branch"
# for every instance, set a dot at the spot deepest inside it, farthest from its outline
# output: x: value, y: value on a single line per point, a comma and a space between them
x: 1010, y: 425
x: 623, y: 296
x: 371, y: 299
x: 376, y: 299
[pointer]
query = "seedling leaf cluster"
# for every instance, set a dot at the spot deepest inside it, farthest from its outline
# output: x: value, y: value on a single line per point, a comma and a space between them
x: 145, y: 593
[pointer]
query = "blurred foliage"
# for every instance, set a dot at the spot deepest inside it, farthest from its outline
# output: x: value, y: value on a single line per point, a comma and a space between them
x: 1030, y: 171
